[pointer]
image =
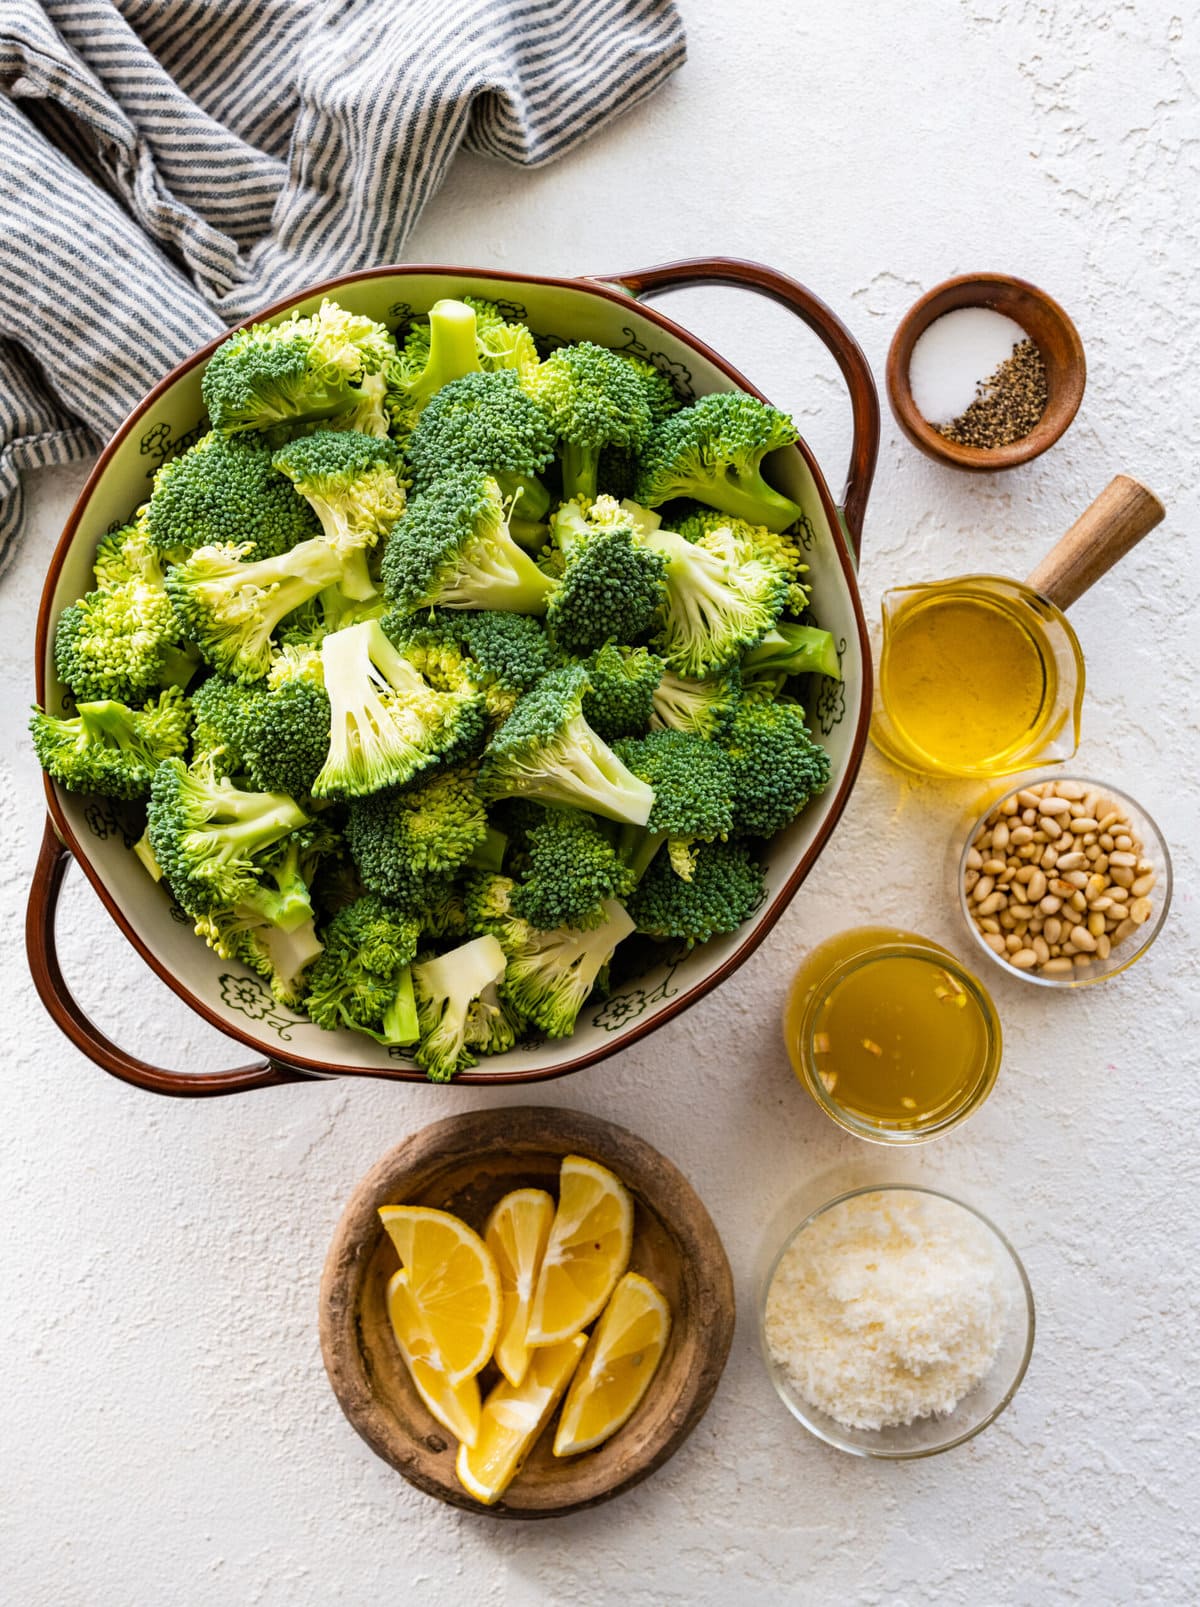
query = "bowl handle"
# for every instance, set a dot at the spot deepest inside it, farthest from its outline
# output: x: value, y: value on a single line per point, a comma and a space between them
x: 69, y: 1017
x: 824, y: 323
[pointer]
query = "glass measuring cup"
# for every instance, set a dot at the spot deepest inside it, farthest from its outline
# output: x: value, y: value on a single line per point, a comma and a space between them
x: 984, y: 676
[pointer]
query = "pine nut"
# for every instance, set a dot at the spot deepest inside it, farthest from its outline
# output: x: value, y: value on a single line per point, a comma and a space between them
x: 1042, y: 949
x: 1078, y: 902
x: 1050, y: 905
x: 1053, y: 806
x: 989, y: 923
x: 1083, y: 825
x: 1071, y: 861
x: 1122, y: 932
x: 1083, y: 939
x: 1052, y: 930
x: 1037, y: 886
x: 1069, y: 789
x: 1106, y: 842
x: 996, y: 944
x: 1009, y: 806
x: 1028, y: 817
x: 1019, y: 836
x: 1095, y: 923
x: 1058, y: 966
x: 1029, y: 799
x: 1122, y: 859
x: 1109, y: 819
x: 974, y: 859
x: 1000, y: 837
x: 1023, y: 959
x: 992, y: 903
x: 1139, y: 911
x: 1103, y: 946
x: 1049, y: 857
x: 1012, y: 943
x: 1121, y: 874
x: 993, y: 867
x: 1143, y: 884
x: 1019, y: 892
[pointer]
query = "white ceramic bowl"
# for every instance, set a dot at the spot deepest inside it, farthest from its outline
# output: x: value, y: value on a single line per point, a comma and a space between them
x: 97, y: 831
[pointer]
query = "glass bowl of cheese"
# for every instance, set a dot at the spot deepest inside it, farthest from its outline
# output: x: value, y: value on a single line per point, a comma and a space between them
x: 896, y: 1322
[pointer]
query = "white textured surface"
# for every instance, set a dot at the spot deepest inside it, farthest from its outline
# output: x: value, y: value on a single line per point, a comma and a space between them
x: 169, y: 1435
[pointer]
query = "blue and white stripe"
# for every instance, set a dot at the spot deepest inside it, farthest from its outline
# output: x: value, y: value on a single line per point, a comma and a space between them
x: 168, y: 167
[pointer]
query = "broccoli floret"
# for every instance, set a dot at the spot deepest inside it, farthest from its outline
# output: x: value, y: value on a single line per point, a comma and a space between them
x: 706, y: 708
x: 725, y: 887
x: 437, y: 644
x: 547, y: 751
x: 485, y: 424
x: 622, y: 682
x: 434, y: 825
x: 741, y: 540
x: 777, y: 767
x: 718, y: 603
x: 330, y: 610
x: 226, y: 490
x: 302, y: 369
x: 573, y: 868
x: 713, y: 451
x: 281, y: 958
x: 110, y: 748
x: 792, y: 650
x: 693, y: 795
x: 611, y: 588
x: 277, y: 733
x: 122, y: 644
x: 363, y: 979
x: 436, y: 352
x: 593, y: 399
x: 349, y: 480
x: 453, y: 549
x: 658, y: 388
x: 127, y: 554
x: 229, y: 607
x: 217, y: 845
x: 550, y: 974
x: 457, y: 1006
x: 387, y: 722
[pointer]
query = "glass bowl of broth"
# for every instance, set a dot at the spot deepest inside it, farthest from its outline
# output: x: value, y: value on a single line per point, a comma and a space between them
x: 893, y: 1038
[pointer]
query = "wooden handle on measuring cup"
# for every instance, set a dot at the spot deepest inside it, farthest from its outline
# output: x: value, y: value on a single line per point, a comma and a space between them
x: 1121, y: 515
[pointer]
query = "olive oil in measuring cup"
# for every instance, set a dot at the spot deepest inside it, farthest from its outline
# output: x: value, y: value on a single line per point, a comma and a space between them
x: 968, y: 676
x: 984, y: 676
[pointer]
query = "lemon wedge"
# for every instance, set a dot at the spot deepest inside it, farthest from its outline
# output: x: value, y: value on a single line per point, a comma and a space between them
x: 622, y: 1357
x: 587, y: 1251
x: 456, y: 1407
x: 512, y: 1418
x: 453, y: 1283
x: 516, y: 1234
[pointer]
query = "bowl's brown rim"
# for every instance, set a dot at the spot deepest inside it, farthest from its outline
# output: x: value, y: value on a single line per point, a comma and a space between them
x: 924, y: 436
x: 763, y: 923
x: 578, y: 1132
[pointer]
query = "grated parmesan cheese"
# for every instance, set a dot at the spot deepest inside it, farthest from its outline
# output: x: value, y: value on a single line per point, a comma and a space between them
x: 888, y: 1307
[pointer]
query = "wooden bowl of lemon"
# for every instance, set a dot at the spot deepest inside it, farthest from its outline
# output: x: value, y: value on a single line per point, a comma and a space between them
x: 525, y: 1311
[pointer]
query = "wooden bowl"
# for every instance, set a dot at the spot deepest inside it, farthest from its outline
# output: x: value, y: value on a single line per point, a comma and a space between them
x: 1046, y: 324
x: 465, y: 1164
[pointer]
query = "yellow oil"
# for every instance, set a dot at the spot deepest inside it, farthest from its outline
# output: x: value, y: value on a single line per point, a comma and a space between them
x: 892, y: 1030
x: 965, y: 680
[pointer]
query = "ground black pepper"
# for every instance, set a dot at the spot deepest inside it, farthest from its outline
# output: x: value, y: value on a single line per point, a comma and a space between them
x: 1007, y: 405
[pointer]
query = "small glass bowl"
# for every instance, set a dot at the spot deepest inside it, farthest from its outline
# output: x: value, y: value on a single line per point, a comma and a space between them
x: 1123, y: 954
x: 927, y: 1436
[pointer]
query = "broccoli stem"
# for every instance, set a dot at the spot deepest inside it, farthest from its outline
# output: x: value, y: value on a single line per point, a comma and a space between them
x: 453, y: 350
x: 637, y: 847
x: 356, y: 582
x: 580, y: 468
x: 400, y: 1025
x: 489, y: 854
x: 747, y: 496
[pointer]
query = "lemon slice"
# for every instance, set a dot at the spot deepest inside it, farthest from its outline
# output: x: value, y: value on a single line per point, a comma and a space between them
x: 516, y: 1234
x: 587, y: 1252
x: 622, y: 1357
x: 512, y: 1418
x: 456, y: 1407
x: 453, y: 1283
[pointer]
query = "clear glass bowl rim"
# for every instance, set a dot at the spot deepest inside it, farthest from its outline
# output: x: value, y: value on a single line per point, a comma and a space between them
x: 1153, y: 926
x: 799, y: 1409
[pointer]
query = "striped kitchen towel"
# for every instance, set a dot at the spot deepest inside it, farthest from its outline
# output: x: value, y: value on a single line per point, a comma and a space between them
x: 167, y: 167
